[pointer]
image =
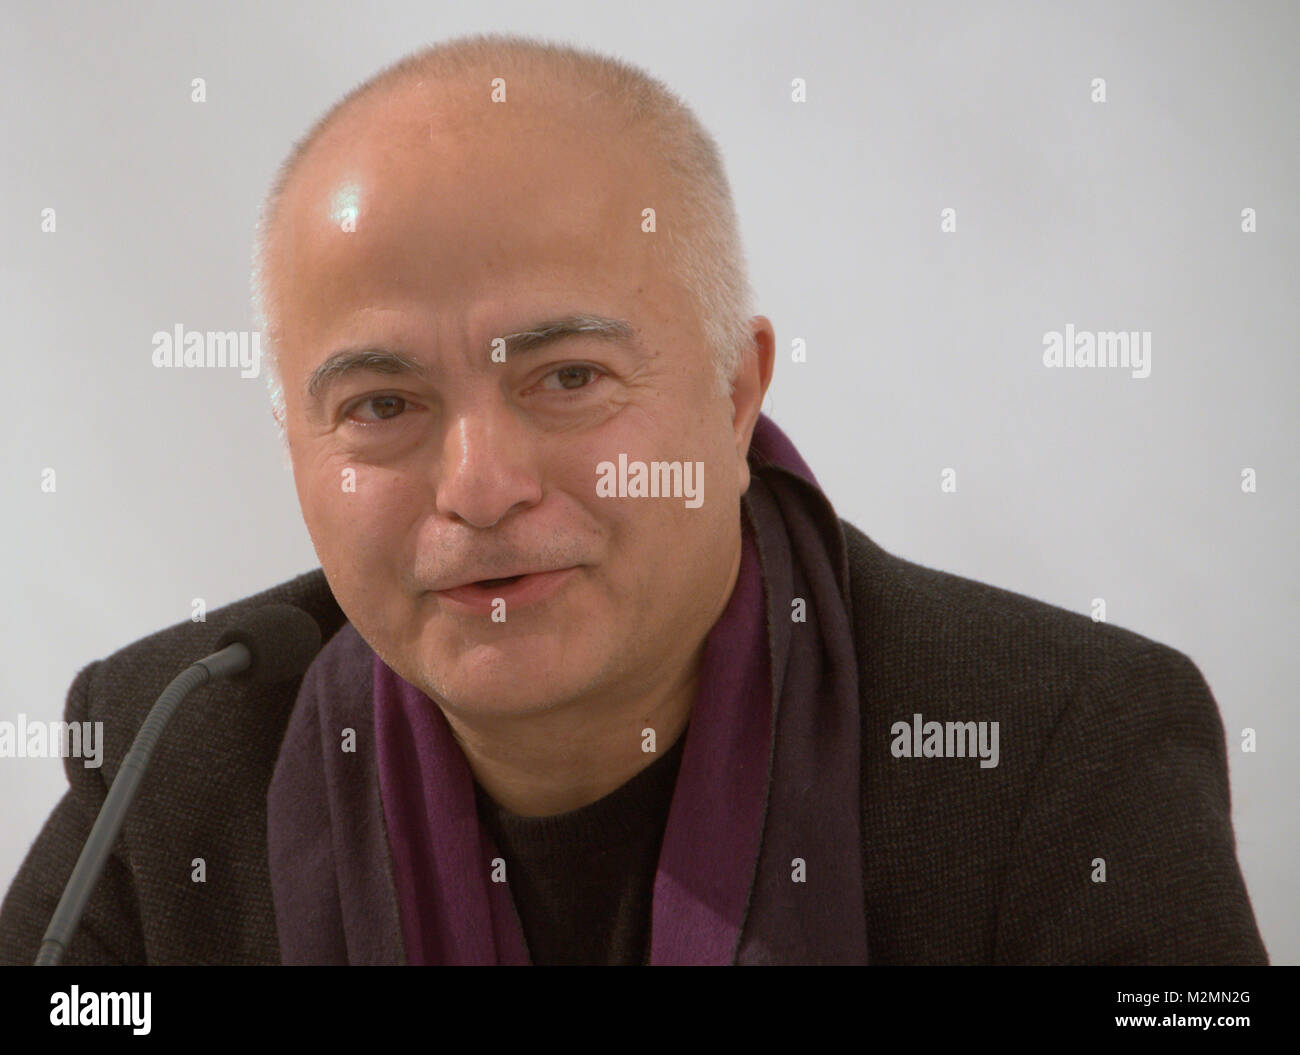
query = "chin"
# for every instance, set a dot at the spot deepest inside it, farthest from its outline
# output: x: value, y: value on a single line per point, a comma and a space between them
x: 507, y: 678
x: 506, y: 700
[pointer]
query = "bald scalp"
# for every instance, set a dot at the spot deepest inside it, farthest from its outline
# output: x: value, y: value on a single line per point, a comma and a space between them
x: 458, y: 83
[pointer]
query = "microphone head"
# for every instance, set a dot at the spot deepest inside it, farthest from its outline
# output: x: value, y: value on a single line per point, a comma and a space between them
x: 282, y: 639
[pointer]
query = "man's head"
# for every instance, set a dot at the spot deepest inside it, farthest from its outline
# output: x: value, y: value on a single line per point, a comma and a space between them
x: 467, y: 314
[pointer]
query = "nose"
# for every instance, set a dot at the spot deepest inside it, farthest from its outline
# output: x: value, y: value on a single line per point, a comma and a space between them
x: 486, y: 469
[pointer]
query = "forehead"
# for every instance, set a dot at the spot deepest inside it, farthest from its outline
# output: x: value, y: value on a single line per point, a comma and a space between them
x: 447, y: 196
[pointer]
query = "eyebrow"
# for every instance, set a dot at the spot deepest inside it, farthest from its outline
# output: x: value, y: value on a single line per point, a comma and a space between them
x: 385, y: 361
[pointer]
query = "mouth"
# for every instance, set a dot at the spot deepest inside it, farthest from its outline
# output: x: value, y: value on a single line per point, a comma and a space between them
x: 516, y: 591
x: 493, y: 583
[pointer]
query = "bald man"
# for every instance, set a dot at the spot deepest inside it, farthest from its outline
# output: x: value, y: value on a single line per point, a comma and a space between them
x: 606, y: 679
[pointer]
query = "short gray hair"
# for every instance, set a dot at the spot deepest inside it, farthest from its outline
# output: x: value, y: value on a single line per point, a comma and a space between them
x: 707, y: 256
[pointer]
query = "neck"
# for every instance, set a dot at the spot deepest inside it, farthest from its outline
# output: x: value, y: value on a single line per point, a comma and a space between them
x: 572, y: 756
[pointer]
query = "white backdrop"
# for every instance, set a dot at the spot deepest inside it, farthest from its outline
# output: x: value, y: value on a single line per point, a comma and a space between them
x: 924, y: 346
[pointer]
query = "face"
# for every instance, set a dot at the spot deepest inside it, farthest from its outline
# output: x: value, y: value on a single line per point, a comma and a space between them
x: 429, y: 237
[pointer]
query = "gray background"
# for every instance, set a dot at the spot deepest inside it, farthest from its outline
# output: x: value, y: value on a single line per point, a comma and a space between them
x: 924, y: 348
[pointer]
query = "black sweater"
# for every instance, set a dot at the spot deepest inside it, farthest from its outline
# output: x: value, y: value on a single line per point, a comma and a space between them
x: 583, y: 881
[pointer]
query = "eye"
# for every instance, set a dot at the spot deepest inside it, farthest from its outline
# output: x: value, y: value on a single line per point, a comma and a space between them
x: 385, y: 408
x: 571, y: 378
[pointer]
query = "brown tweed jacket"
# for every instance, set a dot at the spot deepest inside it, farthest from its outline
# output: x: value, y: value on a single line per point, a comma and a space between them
x: 1111, y: 746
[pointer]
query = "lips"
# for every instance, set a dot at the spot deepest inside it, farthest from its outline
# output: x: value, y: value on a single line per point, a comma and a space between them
x: 503, y: 580
x: 526, y: 588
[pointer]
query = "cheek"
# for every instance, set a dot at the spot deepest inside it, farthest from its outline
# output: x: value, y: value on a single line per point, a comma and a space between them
x: 357, y: 515
x: 659, y: 550
x: 656, y: 546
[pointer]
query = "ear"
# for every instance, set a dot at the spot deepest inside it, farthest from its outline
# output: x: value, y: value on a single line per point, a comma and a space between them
x: 750, y: 388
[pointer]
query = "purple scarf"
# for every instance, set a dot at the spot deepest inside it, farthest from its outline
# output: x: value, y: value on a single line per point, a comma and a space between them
x: 761, y: 860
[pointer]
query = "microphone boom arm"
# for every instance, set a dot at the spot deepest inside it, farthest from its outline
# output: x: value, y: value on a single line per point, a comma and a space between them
x: 233, y: 659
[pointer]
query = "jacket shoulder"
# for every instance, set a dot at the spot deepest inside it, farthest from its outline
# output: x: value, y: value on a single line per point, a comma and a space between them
x: 919, y: 612
x: 223, y: 725
x: 187, y: 641
x: 201, y: 804
x: 951, y: 648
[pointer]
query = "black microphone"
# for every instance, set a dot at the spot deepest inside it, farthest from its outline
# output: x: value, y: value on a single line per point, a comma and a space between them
x: 271, y: 644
